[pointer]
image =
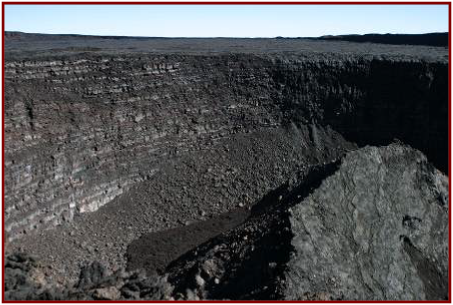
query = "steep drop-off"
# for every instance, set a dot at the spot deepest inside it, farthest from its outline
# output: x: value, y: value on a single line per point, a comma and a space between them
x: 116, y: 145
x: 79, y: 132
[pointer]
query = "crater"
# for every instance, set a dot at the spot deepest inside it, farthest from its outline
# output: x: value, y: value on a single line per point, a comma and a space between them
x: 224, y: 167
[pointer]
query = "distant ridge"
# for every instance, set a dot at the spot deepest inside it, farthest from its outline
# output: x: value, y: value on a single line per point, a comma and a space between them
x: 429, y: 39
x: 14, y: 35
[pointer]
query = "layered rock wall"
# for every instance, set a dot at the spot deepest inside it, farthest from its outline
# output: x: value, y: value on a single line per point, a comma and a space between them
x: 81, y: 131
x: 370, y: 101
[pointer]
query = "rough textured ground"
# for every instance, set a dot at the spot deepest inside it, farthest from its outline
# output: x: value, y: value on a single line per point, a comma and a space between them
x: 186, y: 189
x: 215, y: 169
x: 295, y: 244
x: 24, y: 45
x: 377, y: 229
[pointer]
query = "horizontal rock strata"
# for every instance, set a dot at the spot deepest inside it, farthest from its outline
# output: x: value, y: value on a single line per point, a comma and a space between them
x: 80, y: 131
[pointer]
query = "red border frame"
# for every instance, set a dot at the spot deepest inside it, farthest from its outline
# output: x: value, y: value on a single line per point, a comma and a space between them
x: 228, y: 3
x: 232, y: 3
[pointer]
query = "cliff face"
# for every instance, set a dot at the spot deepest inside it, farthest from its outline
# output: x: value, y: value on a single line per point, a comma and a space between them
x: 367, y: 101
x: 81, y: 131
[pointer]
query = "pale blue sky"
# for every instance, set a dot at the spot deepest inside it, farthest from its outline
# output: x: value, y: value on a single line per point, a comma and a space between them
x: 226, y: 20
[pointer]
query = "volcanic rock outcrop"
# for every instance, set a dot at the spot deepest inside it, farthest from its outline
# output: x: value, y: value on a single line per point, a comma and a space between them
x: 340, y: 231
x: 347, y: 232
x: 113, y: 141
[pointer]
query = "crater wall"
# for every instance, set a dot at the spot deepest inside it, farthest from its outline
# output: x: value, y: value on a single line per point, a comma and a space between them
x: 81, y: 130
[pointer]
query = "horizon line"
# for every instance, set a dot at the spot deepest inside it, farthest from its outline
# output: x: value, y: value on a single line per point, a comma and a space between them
x: 220, y: 37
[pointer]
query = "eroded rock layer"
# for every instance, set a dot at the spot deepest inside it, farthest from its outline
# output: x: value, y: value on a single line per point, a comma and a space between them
x: 80, y: 131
